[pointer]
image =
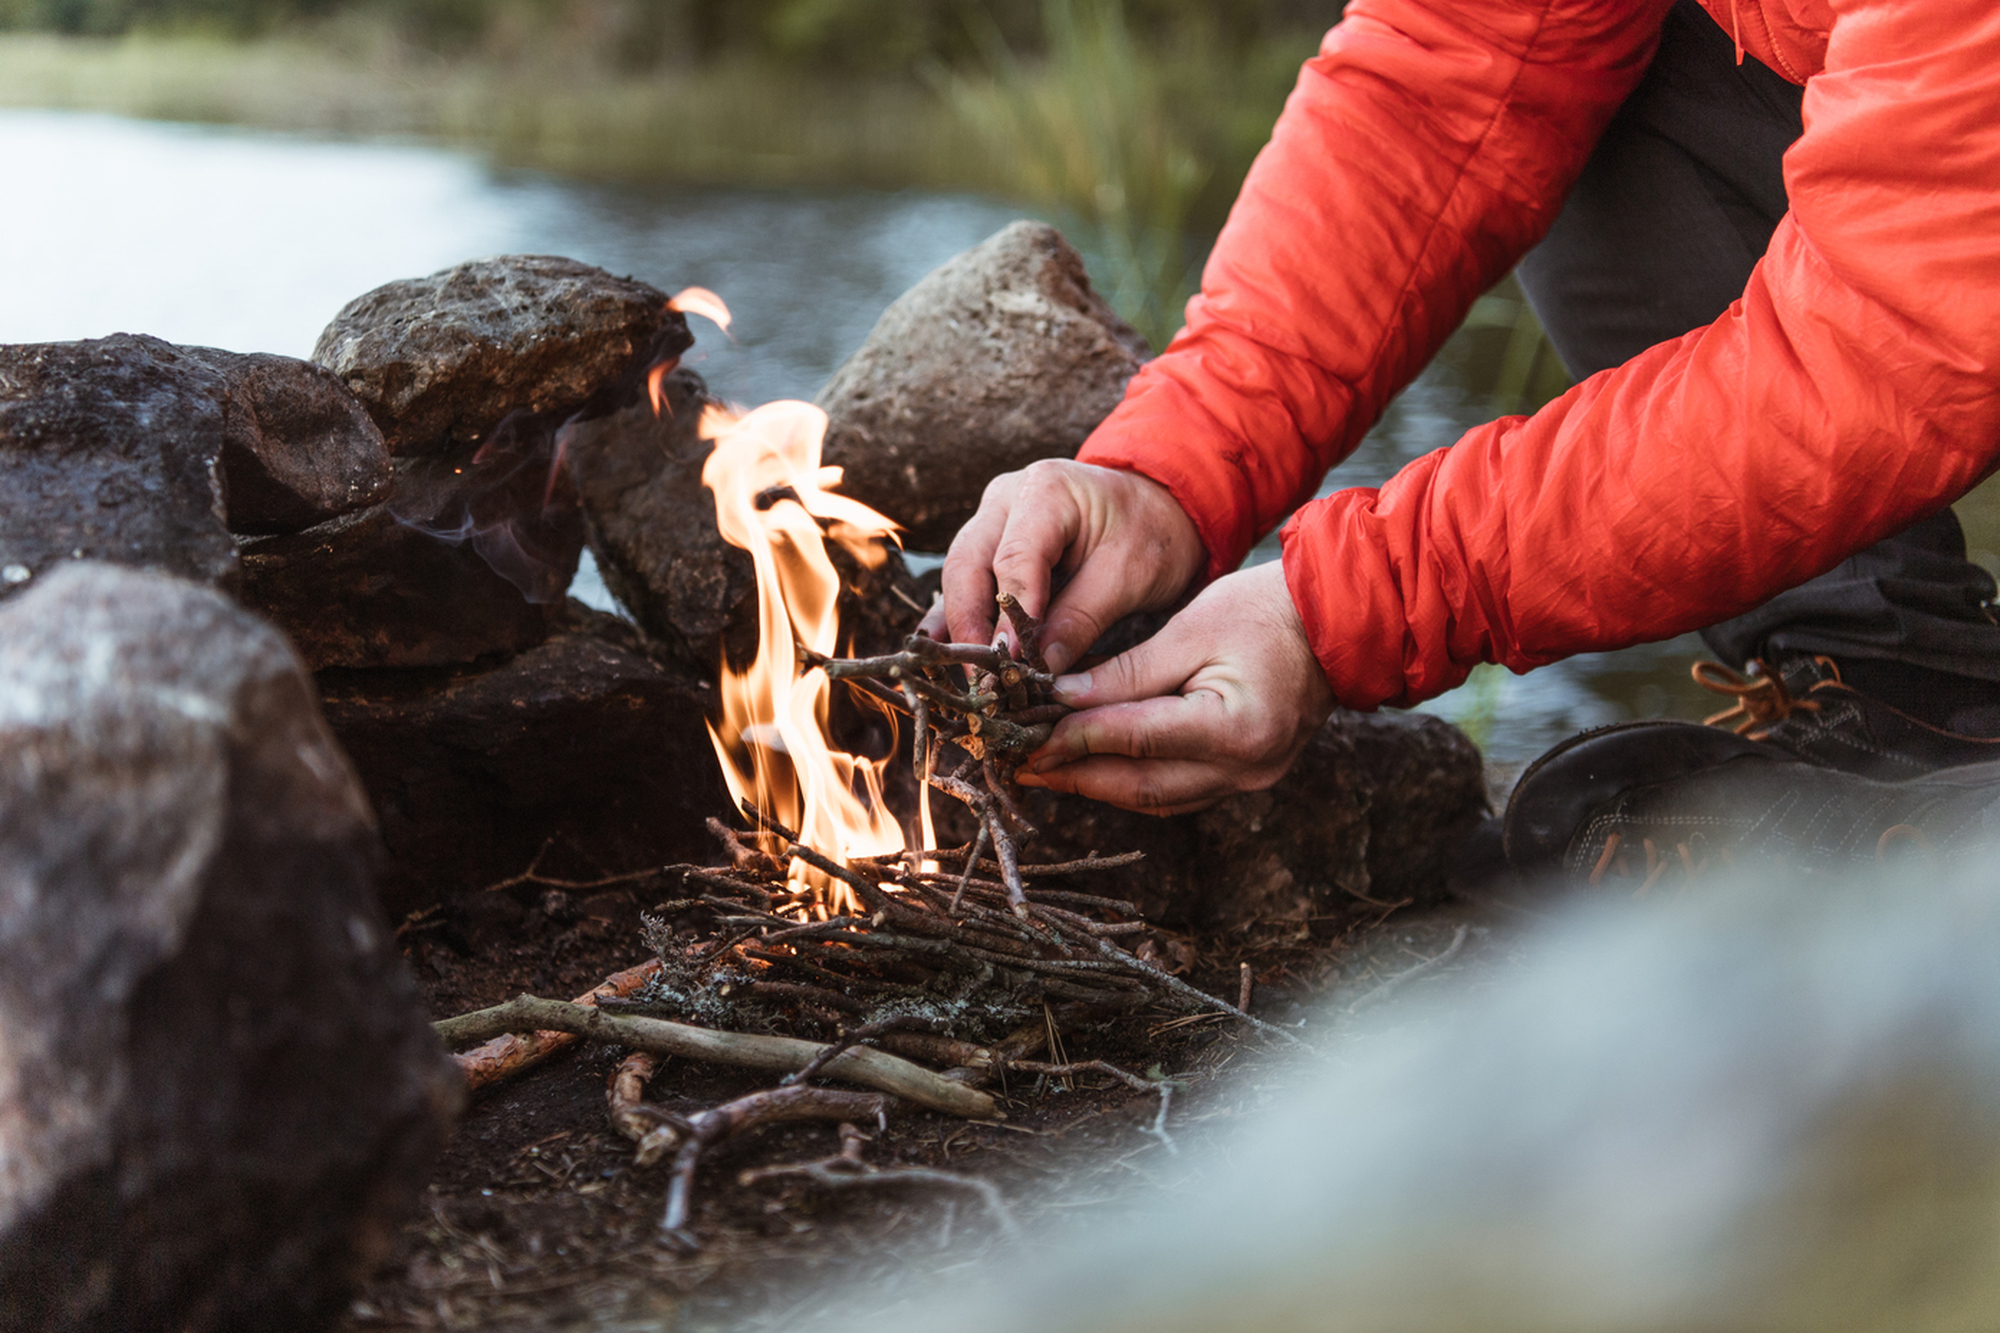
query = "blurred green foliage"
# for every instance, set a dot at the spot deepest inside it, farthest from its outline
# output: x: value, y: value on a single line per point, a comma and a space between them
x: 850, y: 36
x: 1127, y: 140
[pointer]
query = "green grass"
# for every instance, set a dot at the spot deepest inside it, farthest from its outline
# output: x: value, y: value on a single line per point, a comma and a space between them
x: 718, y: 125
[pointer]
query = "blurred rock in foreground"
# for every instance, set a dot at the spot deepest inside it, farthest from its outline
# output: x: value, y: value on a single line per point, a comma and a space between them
x: 217, y: 1089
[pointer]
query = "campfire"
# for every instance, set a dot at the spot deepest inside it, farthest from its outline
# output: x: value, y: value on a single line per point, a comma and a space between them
x: 923, y: 972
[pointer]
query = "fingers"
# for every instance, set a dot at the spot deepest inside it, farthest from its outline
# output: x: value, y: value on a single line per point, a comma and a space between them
x: 1083, y: 610
x: 967, y: 608
x: 1197, y: 725
x: 1159, y: 666
x: 1169, y: 787
x: 1046, y: 518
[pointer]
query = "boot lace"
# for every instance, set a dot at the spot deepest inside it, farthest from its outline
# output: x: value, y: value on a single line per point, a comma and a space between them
x: 1761, y: 701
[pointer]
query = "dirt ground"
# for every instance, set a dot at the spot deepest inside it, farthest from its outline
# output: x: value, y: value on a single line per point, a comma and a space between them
x: 538, y: 1218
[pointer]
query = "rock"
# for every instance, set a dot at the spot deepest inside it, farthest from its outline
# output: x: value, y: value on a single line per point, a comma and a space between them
x: 441, y: 361
x: 1001, y: 357
x: 135, y: 451
x: 585, y: 740
x: 1369, y: 816
x: 370, y: 590
x: 1769, y: 1106
x: 651, y: 525
x: 298, y: 448
x: 218, y: 1091
x: 110, y: 450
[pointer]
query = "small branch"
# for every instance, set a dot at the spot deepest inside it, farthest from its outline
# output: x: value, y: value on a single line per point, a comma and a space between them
x: 652, y: 1128
x: 848, y: 1171
x: 524, y: 1048
x: 748, y: 1050
x: 1181, y: 988
x: 1165, y: 1087
x: 739, y: 1117
x: 1403, y: 978
x: 863, y: 1035
x: 1027, y: 630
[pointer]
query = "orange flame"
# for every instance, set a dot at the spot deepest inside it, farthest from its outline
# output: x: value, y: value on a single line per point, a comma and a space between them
x: 701, y: 301
x: 771, y: 499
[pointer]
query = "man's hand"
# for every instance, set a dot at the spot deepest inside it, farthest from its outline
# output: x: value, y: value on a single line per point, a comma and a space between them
x: 1220, y: 701
x: 1122, y: 538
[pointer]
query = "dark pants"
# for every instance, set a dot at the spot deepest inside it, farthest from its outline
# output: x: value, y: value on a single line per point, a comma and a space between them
x: 1674, y: 209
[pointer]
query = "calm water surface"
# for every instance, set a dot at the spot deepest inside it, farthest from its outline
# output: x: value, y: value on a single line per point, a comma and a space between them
x: 252, y: 241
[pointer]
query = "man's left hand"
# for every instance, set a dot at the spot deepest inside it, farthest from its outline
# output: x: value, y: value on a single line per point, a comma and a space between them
x: 1219, y: 701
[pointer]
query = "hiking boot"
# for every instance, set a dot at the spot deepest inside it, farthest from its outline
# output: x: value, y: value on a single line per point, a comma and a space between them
x: 1649, y: 803
x: 1806, y: 709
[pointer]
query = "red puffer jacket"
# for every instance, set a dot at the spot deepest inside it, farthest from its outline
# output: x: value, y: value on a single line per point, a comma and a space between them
x: 1854, y: 388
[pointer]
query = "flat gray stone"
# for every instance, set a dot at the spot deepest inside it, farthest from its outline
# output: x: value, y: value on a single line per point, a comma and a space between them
x: 218, y: 1089
x: 440, y: 361
x: 1001, y: 357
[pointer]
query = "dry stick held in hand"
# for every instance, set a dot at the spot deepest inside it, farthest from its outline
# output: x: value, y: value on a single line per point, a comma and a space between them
x: 1004, y: 713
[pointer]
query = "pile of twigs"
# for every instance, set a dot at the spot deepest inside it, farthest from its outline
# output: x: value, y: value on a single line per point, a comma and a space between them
x: 945, y: 969
x: 938, y: 941
x: 985, y: 708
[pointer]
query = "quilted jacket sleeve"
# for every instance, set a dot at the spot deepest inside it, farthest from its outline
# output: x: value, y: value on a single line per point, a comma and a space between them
x: 1854, y: 388
x: 1424, y: 150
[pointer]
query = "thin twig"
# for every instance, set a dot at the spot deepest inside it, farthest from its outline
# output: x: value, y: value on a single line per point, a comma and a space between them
x: 1397, y: 982
x: 1164, y: 1087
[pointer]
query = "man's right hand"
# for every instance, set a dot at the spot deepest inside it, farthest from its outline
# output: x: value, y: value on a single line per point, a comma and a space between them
x: 1121, y: 538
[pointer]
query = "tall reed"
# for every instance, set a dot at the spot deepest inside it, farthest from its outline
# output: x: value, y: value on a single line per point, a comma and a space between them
x: 1087, y: 131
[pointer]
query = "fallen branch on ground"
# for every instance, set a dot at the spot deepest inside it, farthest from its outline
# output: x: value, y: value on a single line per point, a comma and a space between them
x: 873, y: 1068
x: 521, y: 1049
x: 711, y: 1127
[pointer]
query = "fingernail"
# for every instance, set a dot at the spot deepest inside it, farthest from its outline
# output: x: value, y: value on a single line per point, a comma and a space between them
x: 1074, y: 687
x: 1027, y: 777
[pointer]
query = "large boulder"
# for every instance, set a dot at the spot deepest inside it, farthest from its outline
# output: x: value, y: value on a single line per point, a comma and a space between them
x: 1003, y: 356
x: 441, y: 361
x: 651, y: 525
x: 218, y: 1091
x: 1368, y: 818
x: 586, y: 751
x: 132, y: 450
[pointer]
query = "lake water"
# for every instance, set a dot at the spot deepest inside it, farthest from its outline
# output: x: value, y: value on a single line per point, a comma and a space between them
x: 252, y: 241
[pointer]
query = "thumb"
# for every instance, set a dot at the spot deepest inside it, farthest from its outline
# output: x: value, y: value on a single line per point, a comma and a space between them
x: 1151, y: 670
